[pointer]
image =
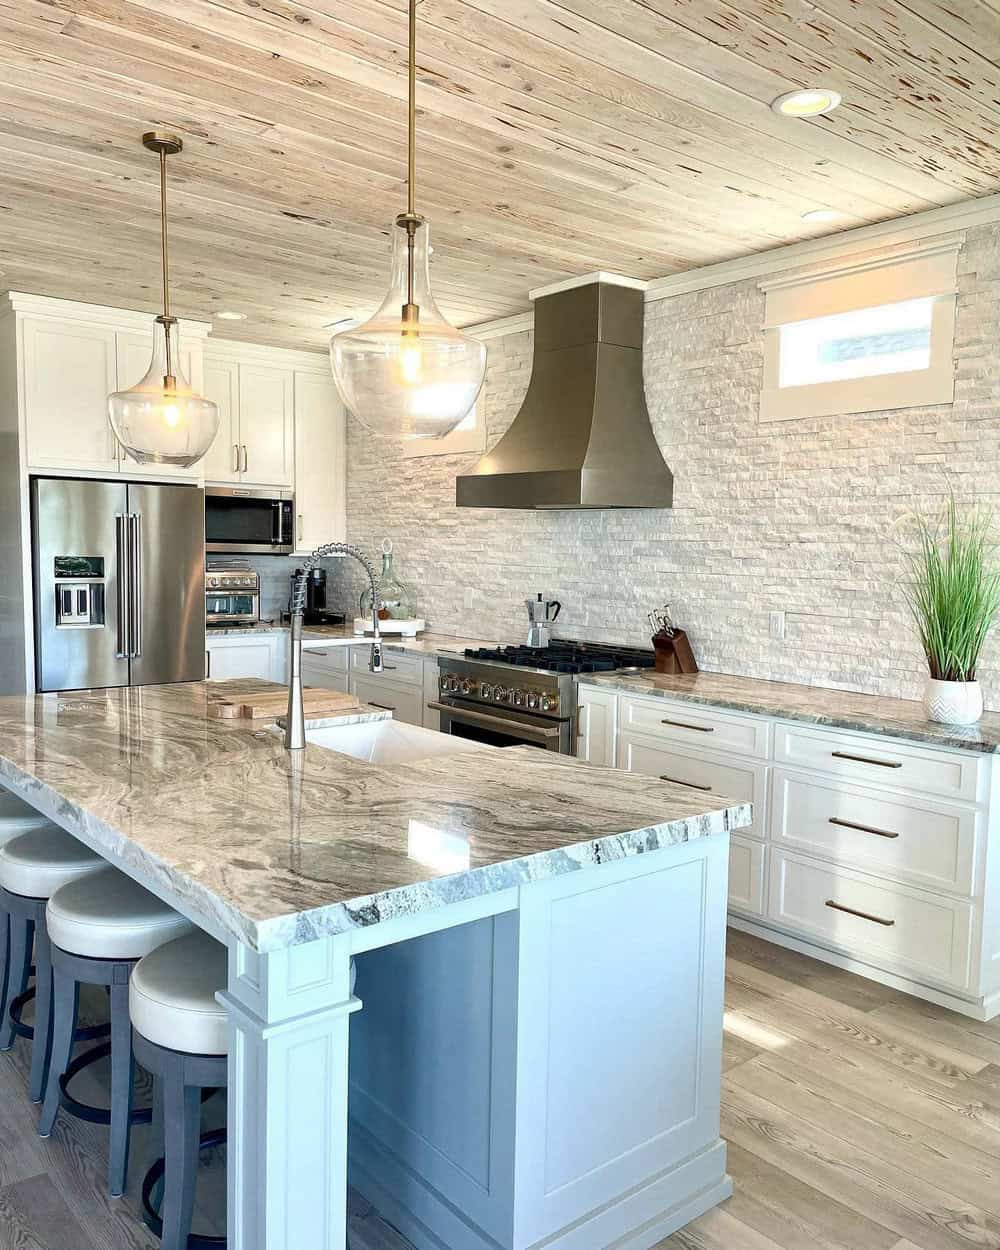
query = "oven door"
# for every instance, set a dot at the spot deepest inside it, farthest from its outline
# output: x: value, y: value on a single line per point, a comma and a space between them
x: 503, y: 727
x: 248, y: 520
x: 243, y: 607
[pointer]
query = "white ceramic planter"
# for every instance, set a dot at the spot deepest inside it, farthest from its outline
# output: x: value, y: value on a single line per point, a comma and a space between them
x: 953, y: 702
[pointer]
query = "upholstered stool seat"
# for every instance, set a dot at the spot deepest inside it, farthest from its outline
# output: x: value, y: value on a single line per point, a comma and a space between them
x: 100, y: 927
x: 107, y: 915
x: 16, y: 817
x: 36, y: 864
x: 33, y: 865
x: 181, y: 1037
x: 172, y: 996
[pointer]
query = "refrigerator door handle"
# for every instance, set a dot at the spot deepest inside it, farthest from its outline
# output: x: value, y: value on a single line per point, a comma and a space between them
x: 123, y: 587
x: 135, y: 578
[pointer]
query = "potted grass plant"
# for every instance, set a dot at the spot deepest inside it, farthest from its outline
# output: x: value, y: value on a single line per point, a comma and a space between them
x: 954, y: 595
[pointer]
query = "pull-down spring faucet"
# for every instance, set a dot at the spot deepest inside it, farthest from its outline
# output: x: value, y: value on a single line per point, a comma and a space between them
x: 295, y: 721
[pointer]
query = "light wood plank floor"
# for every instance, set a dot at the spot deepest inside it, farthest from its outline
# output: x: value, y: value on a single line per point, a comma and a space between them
x: 857, y: 1119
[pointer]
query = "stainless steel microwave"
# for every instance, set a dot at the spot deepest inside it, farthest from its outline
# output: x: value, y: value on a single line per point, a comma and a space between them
x: 257, y: 521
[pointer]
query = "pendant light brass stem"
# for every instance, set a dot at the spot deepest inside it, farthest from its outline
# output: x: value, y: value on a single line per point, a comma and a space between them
x: 163, y: 233
x: 166, y: 145
x: 410, y: 220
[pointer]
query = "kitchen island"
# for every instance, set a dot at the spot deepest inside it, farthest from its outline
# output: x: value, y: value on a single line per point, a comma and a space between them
x: 532, y: 1052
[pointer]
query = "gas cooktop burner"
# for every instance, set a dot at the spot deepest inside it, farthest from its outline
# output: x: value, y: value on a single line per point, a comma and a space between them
x: 566, y: 657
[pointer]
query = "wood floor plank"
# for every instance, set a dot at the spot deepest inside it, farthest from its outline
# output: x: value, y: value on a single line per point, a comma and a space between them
x: 937, y: 1158
x: 736, y: 1050
x: 34, y: 1213
x: 948, y: 1027
x: 718, y: 1230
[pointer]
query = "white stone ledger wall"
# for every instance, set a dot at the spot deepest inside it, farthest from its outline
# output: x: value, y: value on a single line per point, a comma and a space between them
x: 796, y: 516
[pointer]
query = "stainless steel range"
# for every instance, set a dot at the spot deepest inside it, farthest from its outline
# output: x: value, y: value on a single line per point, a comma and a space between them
x: 524, y: 696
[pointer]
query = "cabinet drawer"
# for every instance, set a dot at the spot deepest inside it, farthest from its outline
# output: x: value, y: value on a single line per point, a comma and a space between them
x: 315, y: 673
x: 405, y: 702
x: 728, y: 778
x: 694, y: 725
x: 879, y: 761
x: 333, y: 659
x: 914, y: 839
x: 892, y: 926
x: 398, y: 667
x: 746, y: 875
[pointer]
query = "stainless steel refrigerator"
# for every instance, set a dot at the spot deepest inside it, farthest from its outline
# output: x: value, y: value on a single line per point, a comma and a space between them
x: 119, y: 572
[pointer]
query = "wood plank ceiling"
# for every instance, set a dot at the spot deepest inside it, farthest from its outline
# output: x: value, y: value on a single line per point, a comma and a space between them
x: 555, y: 137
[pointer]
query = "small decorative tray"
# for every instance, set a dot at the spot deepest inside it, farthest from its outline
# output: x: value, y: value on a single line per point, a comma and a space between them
x: 409, y: 629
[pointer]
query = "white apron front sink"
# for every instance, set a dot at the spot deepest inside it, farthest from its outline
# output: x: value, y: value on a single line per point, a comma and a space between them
x: 389, y: 742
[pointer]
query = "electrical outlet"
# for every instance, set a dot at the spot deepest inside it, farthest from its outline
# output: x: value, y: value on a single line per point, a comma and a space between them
x: 777, y: 625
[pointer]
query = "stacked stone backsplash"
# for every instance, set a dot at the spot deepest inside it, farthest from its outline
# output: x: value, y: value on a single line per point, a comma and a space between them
x: 793, y: 516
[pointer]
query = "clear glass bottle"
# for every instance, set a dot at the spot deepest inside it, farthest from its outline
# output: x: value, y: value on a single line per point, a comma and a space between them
x: 397, y: 600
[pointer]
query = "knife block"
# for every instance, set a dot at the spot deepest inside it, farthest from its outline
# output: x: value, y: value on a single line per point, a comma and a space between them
x: 673, y: 653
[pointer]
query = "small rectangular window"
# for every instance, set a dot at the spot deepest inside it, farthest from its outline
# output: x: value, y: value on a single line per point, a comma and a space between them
x: 832, y: 346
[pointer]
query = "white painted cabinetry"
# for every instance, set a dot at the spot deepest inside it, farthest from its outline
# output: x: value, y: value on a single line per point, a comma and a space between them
x: 254, y: 388
x: 250, y: 655
x: 320, y: 459
x: 400, y: 688
x: 868, y: 851
x: 224, y: 458
x: 595, y: 726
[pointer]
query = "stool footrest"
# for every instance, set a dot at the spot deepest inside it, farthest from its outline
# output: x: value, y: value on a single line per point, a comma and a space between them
x: 150, y: 1214
x: 83, y: 1110
x: 87, y: 1033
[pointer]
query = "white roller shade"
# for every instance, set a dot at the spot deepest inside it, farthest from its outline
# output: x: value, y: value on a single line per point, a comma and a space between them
x: 930, y: 271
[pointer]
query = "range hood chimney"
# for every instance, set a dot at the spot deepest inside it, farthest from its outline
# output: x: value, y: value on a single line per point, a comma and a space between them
x: 582, y: 438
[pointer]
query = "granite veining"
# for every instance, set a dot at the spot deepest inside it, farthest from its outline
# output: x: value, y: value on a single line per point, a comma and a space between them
x: 279, y: 848
x: 813, y: 705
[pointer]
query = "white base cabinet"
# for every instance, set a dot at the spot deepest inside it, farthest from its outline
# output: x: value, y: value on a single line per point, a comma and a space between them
x: 255, y: 655
x: 868, y: 851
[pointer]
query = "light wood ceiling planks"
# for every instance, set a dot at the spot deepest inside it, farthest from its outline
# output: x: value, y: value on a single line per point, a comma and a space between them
x: 555, y: 137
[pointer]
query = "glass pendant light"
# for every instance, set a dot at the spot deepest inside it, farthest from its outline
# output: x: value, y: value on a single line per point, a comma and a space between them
x: 406, y: 372
x: 161, y: 420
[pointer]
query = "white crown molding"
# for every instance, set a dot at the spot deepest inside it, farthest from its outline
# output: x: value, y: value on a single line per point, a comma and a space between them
x: 827, y: 250
x: 26, y: 304
x: 878, y: 258
x: 588, y: 279
x: 236, y: 350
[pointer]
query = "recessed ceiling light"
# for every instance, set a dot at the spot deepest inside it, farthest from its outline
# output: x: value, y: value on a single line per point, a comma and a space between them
x: 812, y: 102
x: 231, y: 316
x: 822, y: 214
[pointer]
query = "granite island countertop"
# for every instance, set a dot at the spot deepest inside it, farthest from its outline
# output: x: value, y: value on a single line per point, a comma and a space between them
x: 812, y: 705
x: 279, y: 848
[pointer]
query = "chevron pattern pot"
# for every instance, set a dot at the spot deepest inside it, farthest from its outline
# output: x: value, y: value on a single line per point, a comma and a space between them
x: 953, y: 702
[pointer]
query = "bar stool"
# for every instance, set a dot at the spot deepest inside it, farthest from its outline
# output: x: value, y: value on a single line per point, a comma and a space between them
x: 16, y: 817
x: 100, y: 927
x: 33, y: 866
x: 181, y: 1037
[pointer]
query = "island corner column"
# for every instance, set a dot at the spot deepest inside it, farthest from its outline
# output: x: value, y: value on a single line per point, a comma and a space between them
x: 290, y: 1013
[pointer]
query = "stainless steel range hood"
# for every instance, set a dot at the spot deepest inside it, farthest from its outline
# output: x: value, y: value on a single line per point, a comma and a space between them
x: 582, y: 438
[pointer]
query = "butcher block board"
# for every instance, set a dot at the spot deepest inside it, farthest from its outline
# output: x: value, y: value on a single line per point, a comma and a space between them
x: 257, y: 703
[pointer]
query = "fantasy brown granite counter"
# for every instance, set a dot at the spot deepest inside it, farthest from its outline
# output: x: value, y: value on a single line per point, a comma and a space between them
x: 278, y: 848
x: 814, y: 705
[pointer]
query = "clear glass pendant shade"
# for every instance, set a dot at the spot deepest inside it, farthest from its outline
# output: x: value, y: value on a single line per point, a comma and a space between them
x: 408, y: 377
x: 161, y: 420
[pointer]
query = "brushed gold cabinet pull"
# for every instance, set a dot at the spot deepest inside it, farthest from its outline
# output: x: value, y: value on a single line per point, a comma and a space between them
x: 864, y: 915
x: 682, y: 724
x: 865, y: 759
x: 849, y: 824
x: 691, y: 785
x: 383, y: 707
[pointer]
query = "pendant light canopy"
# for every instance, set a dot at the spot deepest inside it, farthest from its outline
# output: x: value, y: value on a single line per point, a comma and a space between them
x: 161, y: 420
x: 407, y: 373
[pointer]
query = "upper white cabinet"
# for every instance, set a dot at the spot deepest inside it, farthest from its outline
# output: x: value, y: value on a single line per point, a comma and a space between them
x: 254, y: 388
x: 320, y: 482
x: 69, y: 372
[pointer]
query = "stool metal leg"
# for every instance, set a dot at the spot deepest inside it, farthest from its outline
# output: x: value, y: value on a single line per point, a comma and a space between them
x: 122, y: 1082
x: 19, y: 973
x: 182, y: 1129
x: 42, y: 1041
x: 65, y: 1005
x: 4, y: 954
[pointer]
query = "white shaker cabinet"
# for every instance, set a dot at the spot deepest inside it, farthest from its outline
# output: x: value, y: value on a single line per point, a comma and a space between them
x: 221, y: 381
x: 267, y: 425
x: 320, y: 457
x: 596, y: 716
x: 69, y: 372
x: 251, y: 655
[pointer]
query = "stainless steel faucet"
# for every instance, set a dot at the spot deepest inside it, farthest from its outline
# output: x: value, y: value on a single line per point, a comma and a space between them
x: 295, y: 720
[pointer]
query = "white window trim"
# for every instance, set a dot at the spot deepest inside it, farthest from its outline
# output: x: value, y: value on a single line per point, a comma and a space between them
x: 867, y: 283
x: 458, y: 442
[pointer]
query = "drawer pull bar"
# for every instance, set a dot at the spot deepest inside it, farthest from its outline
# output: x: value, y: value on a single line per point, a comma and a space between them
x: 851, y: 911
x: 683, y: 724
x: 382, y: 707
x: 866, y: 759
x: 691, y: 785
x: 849, y: 824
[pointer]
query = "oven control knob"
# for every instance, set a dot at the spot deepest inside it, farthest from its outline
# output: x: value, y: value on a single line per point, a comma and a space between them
x: 465, y: 685
x: 447, y: 682
x: 499, y: 693
x: 519, y: 698
x: 548, y: 703
x: 213, y: 581
x: 532, y: 699
x: 486, y: 691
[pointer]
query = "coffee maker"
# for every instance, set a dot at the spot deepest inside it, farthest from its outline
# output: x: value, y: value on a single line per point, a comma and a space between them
x: 541, y: 615
x: 316, y: 612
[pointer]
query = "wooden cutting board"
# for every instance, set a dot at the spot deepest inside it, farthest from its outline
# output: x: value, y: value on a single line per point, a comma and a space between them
x: 266, y: 705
